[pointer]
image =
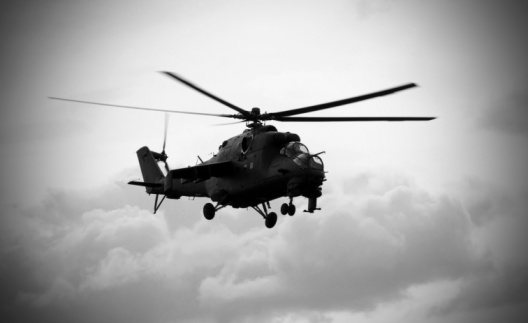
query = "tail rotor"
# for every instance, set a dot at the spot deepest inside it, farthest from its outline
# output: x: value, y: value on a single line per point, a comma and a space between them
x: 163, y: 156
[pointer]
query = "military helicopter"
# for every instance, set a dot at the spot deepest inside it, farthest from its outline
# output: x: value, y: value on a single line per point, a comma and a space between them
x: 253, y: 168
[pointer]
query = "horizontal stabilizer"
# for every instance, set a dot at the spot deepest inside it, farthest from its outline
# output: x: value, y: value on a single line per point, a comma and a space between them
x: 145, y: 184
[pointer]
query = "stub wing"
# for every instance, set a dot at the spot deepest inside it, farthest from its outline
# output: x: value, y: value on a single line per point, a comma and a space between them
x: 203, y: 172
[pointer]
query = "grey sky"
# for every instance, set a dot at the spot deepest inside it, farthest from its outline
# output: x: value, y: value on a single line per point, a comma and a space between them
x: 419, y: 222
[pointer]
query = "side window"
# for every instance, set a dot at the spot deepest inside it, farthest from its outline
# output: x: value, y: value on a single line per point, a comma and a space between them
x: 246, y: 143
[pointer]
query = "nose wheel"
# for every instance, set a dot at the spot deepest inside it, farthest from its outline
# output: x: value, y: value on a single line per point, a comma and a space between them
x: 288, y: 208
x: 209, y: 210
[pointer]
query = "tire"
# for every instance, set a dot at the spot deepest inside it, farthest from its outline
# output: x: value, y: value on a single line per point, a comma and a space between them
x: 271, y: 219
x: 209, y: 211
x: 284, y: 209
x: 291, y: 209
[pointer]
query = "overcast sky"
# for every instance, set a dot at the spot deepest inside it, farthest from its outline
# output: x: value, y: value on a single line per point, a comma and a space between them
x: 420, y: 222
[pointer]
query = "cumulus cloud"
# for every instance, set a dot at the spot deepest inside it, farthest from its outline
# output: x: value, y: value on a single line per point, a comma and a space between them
x: 353, y: 260
x: 505, y: 283
x: 377, y: 236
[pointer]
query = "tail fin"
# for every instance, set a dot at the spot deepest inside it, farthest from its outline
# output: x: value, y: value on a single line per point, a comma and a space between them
x: 150, y: 169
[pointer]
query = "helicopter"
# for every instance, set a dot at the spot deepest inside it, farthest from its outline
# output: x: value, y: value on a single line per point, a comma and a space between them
x: 252, y: 168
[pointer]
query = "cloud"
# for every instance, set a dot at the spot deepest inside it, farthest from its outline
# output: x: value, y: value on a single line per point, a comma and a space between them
x: 505, y: 282
x: 354, y: 260
x: 93, y: 256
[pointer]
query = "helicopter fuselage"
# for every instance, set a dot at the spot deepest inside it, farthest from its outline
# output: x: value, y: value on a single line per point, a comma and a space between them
x: 258, y: 166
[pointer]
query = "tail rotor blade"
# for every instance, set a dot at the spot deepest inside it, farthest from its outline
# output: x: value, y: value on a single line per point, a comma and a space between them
x: 163, y: 156
x: 165, y: 131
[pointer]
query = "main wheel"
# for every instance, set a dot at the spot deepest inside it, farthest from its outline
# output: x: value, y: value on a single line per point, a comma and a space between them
x: 271, y: 219
x: 291, y: 209
x: 209, y: 211
x: 284, y: 209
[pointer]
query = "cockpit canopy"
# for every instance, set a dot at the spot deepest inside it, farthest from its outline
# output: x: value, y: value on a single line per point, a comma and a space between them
x: 316, y: 163
x: 293, y: 149
x: 301, y: 155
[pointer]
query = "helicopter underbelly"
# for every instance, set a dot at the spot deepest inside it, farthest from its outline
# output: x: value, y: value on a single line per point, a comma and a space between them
x: 238, y: 193
x: 261, y: 191
x: 247, y: 194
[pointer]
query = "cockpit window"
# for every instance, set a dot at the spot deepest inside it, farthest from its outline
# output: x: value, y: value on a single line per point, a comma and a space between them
x: 301, y: 148
x: 302, y: 160
x: 294, y: 148
x: 316, y: 162
x: 301, y: 155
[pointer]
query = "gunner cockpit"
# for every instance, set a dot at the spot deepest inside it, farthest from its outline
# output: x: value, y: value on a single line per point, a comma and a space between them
x: 301, y: 155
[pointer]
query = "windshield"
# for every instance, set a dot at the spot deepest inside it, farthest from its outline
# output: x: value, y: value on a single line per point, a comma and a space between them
x: 301, y: 155
x: 316, y: 162
x: 293, y: 149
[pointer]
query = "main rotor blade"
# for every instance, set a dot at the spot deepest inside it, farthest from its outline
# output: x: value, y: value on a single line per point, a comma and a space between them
x: 341, y: 102
x: 147, y: 109
x: 341, y: 119
x: 228, y: 123
x: 189, y: 84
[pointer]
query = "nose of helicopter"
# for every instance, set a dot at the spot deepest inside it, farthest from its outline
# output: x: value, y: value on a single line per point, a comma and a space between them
x: 307, y: 182
x: 307, y: 176
x: 309, y: 162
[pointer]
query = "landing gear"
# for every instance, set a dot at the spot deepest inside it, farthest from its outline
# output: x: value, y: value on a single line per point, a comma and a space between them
x: 156, y: 204
x: 209, y: 210
x: 270, y: 219
x: 291, y: 210
x: 284, y: 209
x: 288, y: 209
